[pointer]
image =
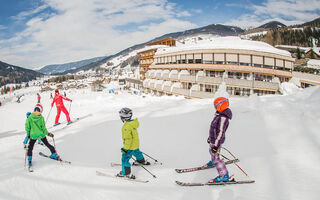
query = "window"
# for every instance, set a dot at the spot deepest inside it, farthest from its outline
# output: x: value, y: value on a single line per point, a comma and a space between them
x: 219, y: 62
x: 257, y: 65
x: 232, y: 63
x: 183, y: 61
x: 268, y: 66
x: 207, y: 62
x: 259, y: 77
x: 244, y: 64
x: 190, y: 60
x: 198, y: 61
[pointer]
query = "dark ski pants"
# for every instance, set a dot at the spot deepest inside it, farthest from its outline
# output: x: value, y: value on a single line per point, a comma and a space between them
x: 45, y: 142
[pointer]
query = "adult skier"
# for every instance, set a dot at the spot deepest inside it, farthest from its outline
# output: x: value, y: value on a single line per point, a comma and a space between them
x: 36, y: 129
x: 130, y: 139
x: 38, y: 97
x: 58, y: 99
x: 218, y: 127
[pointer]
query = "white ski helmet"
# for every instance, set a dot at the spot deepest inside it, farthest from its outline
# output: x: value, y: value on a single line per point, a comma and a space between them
x: 125, y: 114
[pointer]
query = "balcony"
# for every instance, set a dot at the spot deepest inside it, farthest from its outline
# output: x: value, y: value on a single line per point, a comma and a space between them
x: 207, y: 79
x: 265, y: 85
x: 180, y: 91
x: 202, y: 95
x: 239, y: 82
x: 187, y: 78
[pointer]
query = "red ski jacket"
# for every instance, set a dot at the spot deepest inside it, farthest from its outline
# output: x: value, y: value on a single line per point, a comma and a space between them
x: 58, y: 99
x: 39, y: 97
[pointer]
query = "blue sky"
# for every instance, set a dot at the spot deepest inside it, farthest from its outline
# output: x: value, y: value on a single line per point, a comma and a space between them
x: 35, y: 33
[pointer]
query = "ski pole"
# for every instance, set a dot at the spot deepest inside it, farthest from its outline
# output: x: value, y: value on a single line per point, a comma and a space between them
x: 70, y: 108
x: 48, y: 115
x: 154, y: 176
x: 54, y: 145
x: 236, y: 163
x: 151, y: 158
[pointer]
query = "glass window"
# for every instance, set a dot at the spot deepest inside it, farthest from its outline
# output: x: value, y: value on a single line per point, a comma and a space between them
x: 190, y: 61
x: 198, y: 61
x: 207, y: 62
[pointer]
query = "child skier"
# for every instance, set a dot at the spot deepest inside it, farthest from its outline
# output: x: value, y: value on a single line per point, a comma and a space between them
x: 130, y: 139
x: 36, y: 129
x: 26, y: 139
x: 218, y: 127
x: 58, y: 99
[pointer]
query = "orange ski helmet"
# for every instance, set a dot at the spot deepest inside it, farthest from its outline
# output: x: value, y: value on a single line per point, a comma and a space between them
x: 221, y: 104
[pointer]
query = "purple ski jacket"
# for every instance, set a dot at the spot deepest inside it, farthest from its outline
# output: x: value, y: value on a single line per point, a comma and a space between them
x: 218, y: 127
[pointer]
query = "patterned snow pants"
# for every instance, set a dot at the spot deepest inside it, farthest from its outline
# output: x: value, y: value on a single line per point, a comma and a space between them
x: 219, y: 164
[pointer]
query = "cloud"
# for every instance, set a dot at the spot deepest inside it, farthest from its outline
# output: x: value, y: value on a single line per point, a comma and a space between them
x: 2, y: 27
x: 289, y: 12
x: 23, y: 15
x: 80, y: 29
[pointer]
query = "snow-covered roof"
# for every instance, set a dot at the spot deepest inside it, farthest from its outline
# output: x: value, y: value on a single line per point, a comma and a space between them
x: 231, y: 42
x: 313, y: 63
x: 151, y: 47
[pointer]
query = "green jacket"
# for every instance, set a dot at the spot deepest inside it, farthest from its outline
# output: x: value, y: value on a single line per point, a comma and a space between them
x: 130, y: 135
x: 36, y: 127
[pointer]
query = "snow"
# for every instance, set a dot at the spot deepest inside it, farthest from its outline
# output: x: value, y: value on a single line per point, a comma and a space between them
x: 313, y: 63
x: 276, y: 138
x: 230, y: 42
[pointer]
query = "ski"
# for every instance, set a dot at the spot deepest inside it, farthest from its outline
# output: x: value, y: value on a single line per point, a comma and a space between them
x: 114, y: 164
x: 125, y: 178
x: 60, y: 160
x: 220, y: 183
x: 193, y: 169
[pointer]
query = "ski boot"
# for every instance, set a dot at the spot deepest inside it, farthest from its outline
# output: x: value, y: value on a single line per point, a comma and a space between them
x: 70, y: 122
x: 56, y: 124
x: 127, y: 174
x: 54, y: 156
x: 141, y: 162
x: 30, y: 164
x: 219, y: 179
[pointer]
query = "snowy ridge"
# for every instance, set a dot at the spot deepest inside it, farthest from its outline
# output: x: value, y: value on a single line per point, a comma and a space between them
x: 275, y: 137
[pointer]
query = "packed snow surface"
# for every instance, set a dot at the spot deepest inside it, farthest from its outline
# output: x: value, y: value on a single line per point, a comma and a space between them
x: 275, y: 137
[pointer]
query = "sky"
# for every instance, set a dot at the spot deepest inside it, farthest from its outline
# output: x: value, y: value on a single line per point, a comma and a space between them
x: 35, y: 33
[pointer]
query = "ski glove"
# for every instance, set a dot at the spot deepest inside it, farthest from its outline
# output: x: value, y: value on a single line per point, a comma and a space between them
x: 50, y: 135
x: 214, y: 149
x: 123, y: 150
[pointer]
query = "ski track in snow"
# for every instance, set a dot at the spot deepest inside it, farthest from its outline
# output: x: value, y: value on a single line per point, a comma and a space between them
x: 275, y: 137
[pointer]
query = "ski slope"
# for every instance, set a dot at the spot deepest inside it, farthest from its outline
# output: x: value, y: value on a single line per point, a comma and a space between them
x: 275, y: 137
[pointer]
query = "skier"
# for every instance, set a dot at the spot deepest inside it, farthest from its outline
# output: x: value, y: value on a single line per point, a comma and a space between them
x: 38, y: 97
x: 130, y: 139
x: 218, y: 127
x: 58, y: 99
x: 26, y: 139
x: 51, y: 97
x: 36, y: 129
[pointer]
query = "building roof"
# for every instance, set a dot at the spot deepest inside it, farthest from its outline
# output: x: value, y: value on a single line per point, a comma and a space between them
x: 230, y: 42
x: 313, y: 63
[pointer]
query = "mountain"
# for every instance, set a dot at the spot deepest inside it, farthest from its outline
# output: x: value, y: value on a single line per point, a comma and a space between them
x: 214, y: 29
x: 60, y: 68
x: 313, y: 23
x: 272, y: 24
x: 14, y: 74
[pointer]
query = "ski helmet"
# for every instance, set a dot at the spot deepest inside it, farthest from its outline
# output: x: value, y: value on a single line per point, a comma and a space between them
x: 28, y: 114
x: 221, y: 104
x: 125, y: 114
x: 38, y: 107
